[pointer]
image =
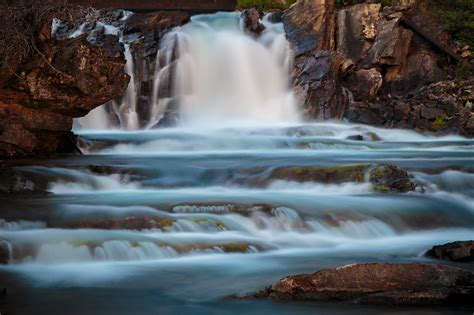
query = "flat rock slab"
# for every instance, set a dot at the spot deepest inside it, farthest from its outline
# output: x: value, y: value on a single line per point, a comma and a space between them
x: 461, y: 251
x: 378, y: 283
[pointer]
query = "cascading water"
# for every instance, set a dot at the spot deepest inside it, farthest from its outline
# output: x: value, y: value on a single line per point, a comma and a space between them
x: 215, y: 73
x: 125, y: 110
x: 174, y: 219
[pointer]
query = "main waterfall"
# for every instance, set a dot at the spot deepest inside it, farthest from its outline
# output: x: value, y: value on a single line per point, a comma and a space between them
x: 225, y: 75
x: 217, y: 74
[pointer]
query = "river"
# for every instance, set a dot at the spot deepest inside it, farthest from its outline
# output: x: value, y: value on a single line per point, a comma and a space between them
x: 175, y: 220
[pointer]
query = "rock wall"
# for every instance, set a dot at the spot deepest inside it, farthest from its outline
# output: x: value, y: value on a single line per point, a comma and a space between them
x: 361, y: 63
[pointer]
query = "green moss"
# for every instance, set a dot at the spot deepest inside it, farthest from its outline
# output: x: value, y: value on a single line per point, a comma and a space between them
x: 440, y: 122
x: 373, y: 136
x: 235, y: 248
x: 265, y: 4
x: 103, y: 70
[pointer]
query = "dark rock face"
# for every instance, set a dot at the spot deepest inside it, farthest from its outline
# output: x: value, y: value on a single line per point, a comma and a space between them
x: 462, y: 251
x: 252, y: 23
x: 379, y: 283
x: 151, y: 27
x: 72, y: 78
x: 377, y: 69
x: 442, y: 107
x: 316, y: 77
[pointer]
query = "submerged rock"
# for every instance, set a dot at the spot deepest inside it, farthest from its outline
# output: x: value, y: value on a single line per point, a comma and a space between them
x: 14, y: 182
x: 390, y: 178
x: 384, y: 178
x: 461, y: 251
x: 378, y: 283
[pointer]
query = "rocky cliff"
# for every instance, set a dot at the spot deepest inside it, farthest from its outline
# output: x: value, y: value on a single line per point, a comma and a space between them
x: 60, y: 81
x: 374, y: 65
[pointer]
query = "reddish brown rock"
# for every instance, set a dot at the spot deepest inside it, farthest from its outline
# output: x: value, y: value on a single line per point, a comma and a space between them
x: 68, y: 79
x: 457, y: 251
x: 365, y: 84
x: 379, y: 283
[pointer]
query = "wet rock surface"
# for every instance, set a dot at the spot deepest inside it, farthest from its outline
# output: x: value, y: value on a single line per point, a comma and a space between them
x: 462, y: 251
x: 251, y: 18
x: 150, y: 28
x: 14, y: 182
x: 378, y: 283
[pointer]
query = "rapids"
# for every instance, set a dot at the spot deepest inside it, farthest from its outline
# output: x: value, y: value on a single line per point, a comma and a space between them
x: 173, y: 220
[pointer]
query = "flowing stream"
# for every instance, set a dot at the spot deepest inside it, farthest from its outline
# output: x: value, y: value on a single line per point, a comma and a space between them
x: 173, y: 220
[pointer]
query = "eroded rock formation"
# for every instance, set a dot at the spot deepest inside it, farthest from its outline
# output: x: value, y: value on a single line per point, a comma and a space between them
x: 66, y: 79
x: 378, y: 283
x: 370, y: 68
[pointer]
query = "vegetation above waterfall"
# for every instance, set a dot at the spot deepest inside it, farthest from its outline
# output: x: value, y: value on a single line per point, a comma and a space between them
x: 265, y: 4
x: 26, y: 22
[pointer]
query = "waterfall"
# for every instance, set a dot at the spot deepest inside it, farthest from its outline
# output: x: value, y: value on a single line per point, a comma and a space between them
x: 224, y: 75
x: 211, y: 72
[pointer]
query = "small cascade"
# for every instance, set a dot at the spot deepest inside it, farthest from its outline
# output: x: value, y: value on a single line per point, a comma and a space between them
x: 127, y: 109
x: 162, y: 80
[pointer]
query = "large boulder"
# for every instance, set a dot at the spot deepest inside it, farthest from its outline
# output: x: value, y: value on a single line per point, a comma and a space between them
x: 462, y: 251
x: 379, y: 283
x: 66, y: 79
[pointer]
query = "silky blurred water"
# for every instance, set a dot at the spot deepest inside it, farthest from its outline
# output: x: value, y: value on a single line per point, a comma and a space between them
x: 173, y: 221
